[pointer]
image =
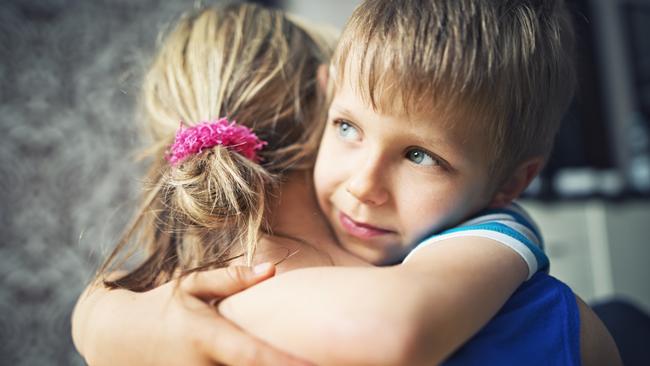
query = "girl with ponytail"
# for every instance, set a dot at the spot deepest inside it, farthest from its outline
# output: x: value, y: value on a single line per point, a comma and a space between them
x: 232, y: 105
x: 233, y: 109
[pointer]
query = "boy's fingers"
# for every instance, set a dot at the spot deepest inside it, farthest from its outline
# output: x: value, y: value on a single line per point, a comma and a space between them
x: 225, y: 281
x: 226, y: 344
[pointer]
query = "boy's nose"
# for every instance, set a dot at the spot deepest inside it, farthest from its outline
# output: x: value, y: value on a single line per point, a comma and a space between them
x: 367, y: 186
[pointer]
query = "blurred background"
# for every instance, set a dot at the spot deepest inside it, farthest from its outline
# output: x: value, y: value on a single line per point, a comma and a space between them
x: 69, y: 75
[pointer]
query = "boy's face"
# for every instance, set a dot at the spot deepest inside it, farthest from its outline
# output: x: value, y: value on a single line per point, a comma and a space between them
x: 383, y: 181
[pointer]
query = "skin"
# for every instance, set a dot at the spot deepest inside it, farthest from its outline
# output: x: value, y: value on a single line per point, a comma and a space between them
x: 297, y: 216
x: 176, y: 315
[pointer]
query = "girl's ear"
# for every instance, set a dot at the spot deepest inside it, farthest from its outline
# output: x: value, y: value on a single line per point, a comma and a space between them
x: 512, y: 187
x: 322, y: 75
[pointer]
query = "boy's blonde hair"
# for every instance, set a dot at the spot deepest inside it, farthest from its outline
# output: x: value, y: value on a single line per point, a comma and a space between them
x: 246, y: 63
x: 502, y: 66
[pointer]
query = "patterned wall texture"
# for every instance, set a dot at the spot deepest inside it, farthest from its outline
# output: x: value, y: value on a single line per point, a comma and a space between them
x: 69, y: 73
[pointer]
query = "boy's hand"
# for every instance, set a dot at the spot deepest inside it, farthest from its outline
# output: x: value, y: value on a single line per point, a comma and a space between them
x: 174, y: 324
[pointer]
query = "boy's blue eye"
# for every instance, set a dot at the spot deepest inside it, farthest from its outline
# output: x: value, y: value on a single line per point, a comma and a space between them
x: 421, y: 157
x: 347, y: 131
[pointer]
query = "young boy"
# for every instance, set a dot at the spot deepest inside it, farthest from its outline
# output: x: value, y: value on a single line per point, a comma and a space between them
x: 441, y: 110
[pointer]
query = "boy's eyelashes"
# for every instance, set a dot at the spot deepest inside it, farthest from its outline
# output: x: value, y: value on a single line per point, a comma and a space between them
x: 422, y: 157
x: 426, y: 159
x: 346, y: 130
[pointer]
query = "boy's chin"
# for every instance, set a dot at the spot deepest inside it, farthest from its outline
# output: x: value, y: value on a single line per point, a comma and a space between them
x: 374, y: 256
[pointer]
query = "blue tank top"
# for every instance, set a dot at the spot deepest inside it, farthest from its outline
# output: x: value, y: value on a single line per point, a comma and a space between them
x: 538, y: 325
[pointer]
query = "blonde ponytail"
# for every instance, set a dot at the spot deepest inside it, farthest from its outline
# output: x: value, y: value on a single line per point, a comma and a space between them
x: 246, y: 63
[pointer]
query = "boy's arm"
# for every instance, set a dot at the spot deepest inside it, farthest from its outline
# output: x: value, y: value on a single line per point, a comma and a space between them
x: 169, y: 325
x: 414, y: 313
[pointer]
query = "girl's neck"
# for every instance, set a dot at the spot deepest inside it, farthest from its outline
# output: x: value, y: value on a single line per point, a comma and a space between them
x: 297, y: 215
x: 296, y: 210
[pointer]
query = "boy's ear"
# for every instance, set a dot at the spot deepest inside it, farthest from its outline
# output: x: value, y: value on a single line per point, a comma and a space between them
x: 512, y: 187
x: 322, y: 76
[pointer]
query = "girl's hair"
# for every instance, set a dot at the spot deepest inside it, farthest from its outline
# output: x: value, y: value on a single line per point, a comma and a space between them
x: 246, y: 63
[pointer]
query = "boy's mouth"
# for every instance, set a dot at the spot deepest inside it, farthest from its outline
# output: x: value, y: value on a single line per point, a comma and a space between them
x: 360, y: 230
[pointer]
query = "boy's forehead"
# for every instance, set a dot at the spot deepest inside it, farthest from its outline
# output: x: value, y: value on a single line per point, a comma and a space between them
x: 380, y: 78
x: 382, y: 99
x: 389, y: 101
x: 391, y: 95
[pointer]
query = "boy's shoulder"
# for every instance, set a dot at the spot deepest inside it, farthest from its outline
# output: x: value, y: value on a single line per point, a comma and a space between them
x: 510, y: 225
x: 512, y: 216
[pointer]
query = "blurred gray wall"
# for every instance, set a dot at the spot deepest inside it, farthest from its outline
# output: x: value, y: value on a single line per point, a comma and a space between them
x: 69, y: 73
x: 333, y: 12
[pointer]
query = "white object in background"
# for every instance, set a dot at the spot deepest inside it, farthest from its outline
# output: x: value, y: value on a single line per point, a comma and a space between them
x: 333, y: 12
x: 599, y: 248
x: 597, y: 235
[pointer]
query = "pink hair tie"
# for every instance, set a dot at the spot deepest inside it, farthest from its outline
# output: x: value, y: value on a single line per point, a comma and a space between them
x: 193, y: 140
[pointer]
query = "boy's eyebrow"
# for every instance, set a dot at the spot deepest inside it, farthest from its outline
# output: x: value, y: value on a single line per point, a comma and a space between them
x: 341, y: 110
x: 431, y: 141
x: 416, y: 137
x: 439, y: 145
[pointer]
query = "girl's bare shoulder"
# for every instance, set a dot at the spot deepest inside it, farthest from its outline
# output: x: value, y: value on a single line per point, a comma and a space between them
x: 597, y: 346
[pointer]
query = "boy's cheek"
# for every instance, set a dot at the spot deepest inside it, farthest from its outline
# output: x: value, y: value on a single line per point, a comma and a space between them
x: 440, y: 209
x: 321, y: 185
x: 327, y: 172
